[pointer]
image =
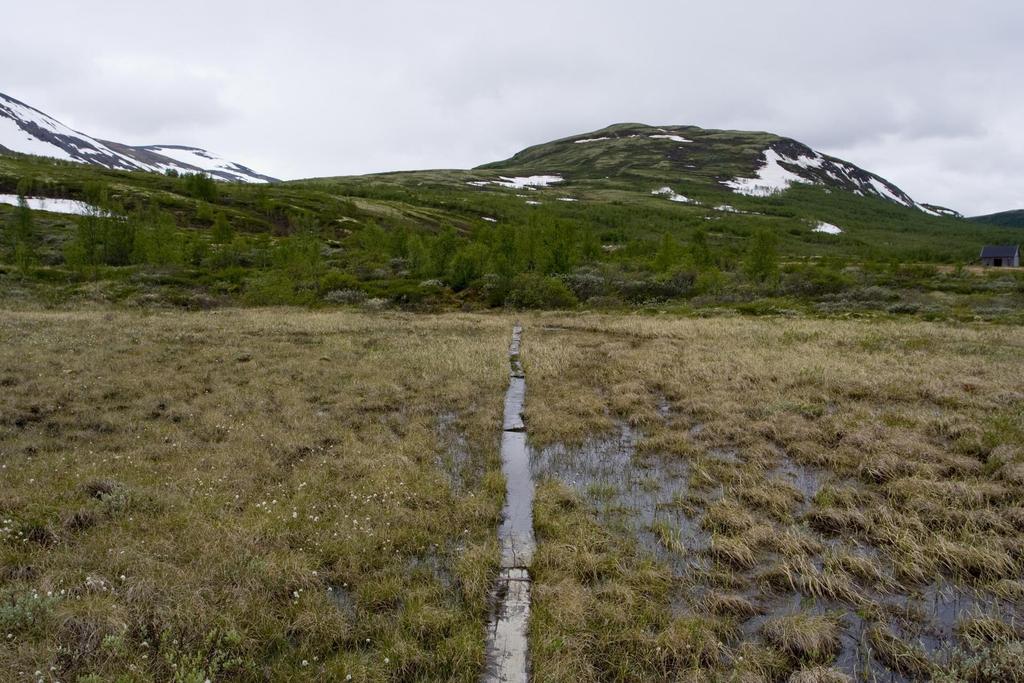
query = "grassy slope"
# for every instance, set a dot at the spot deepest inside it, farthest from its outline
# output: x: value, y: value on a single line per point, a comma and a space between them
x: 635, y: 164
x: 612, y: 181
x: 1005, y: 219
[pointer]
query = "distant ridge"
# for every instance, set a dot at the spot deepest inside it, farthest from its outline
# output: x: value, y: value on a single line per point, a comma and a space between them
x: 747, y: 162
x: 26, y: 130
x: 1005, y: 219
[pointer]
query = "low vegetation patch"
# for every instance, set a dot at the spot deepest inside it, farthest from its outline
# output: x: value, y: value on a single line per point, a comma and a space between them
x: 248, y: 495
x: 840, y: 490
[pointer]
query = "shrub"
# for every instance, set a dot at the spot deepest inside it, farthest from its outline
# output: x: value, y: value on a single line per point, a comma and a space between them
x: 529, y: 290
x: 200, y: 186
x: 335, y: 280
x: 762, y: 262
x: 586, y: 283
x: 495, y: 289
x: 222, y: 232
x: 710, y: 281
x: 871, y: 293
x: 643, y: 289
x: 679, y: 281
x: 345, y: 296
x: 274, y: 289
x: 815, y: 281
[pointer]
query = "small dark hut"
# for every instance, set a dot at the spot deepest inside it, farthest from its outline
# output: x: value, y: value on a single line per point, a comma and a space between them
x: 1001, y: 255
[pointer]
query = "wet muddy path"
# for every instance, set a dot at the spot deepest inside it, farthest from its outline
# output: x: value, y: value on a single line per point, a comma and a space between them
x: 507, y: 649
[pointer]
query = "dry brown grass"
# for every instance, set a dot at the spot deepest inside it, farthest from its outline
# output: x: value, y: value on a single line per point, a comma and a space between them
x: 844, y: 462
x: 819, y: 674
x: 236, y: 493
x: 280, y: 486
x: 808, y: 638
x: 730, y: 605
x: 898, y: 654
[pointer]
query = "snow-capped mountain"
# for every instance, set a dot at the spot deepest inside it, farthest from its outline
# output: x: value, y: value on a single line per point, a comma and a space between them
x: 787, y: 162
x: 26, y: 130
x: 684, y: 158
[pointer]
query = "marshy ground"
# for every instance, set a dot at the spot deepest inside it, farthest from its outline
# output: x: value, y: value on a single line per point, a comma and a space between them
x: 749, y: 499
x: 254, y: 495
x: 287, y: 495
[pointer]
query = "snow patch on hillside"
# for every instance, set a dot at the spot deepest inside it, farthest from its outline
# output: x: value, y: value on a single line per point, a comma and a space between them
x: 817, y: 161
x: 28, y: 131
x: 828, y: 228
x: 673, y: 138
x: 770, y: 179
x: 65, y: 206
x: 532, y: 182
x: 26, y: 114
x: 520, y: 183
x: 672, y: 195
x: 16, y: 117
x: 16, y: 139
x: 883, y: 190
x: 938, y: 211
x: 581, y: 142
x: 203, y: 160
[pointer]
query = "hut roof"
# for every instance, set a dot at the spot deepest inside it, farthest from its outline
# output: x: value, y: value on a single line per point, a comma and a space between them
x: 999, y: 251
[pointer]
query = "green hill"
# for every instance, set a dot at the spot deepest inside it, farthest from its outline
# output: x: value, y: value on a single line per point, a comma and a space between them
x: 1005, y: 219
x: 625, y: 216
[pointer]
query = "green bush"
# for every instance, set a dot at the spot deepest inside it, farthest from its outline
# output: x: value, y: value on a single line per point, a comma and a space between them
x: 814, y: 280
x: 200, y: 186
x: 529, y: 290
x: 275, y: 288
x: 336, y: 280
x: 710, y: 281
x: 762, y: 261
x: 222, y: 232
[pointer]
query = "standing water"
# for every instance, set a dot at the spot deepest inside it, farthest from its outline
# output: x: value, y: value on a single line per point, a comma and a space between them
x: 507, y: 658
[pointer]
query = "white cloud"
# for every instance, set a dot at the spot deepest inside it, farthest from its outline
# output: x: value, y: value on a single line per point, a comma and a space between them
x: 918, y: 91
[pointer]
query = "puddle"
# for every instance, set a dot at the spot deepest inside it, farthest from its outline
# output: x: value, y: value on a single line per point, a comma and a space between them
x: 649, y: 498
x: 342, y: 598
x: 931, y: 615
x: 433, y: 565
x: 646, y: 496
x: 664, y: 408
x: 507, y: 647
x: 456, y: 461
x: 641, y: 496
x: 806, y: 480
x: 854, y: 656
x: 729, y: 456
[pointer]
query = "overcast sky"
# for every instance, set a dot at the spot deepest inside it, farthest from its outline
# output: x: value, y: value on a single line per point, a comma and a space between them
x: 929, y: 94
